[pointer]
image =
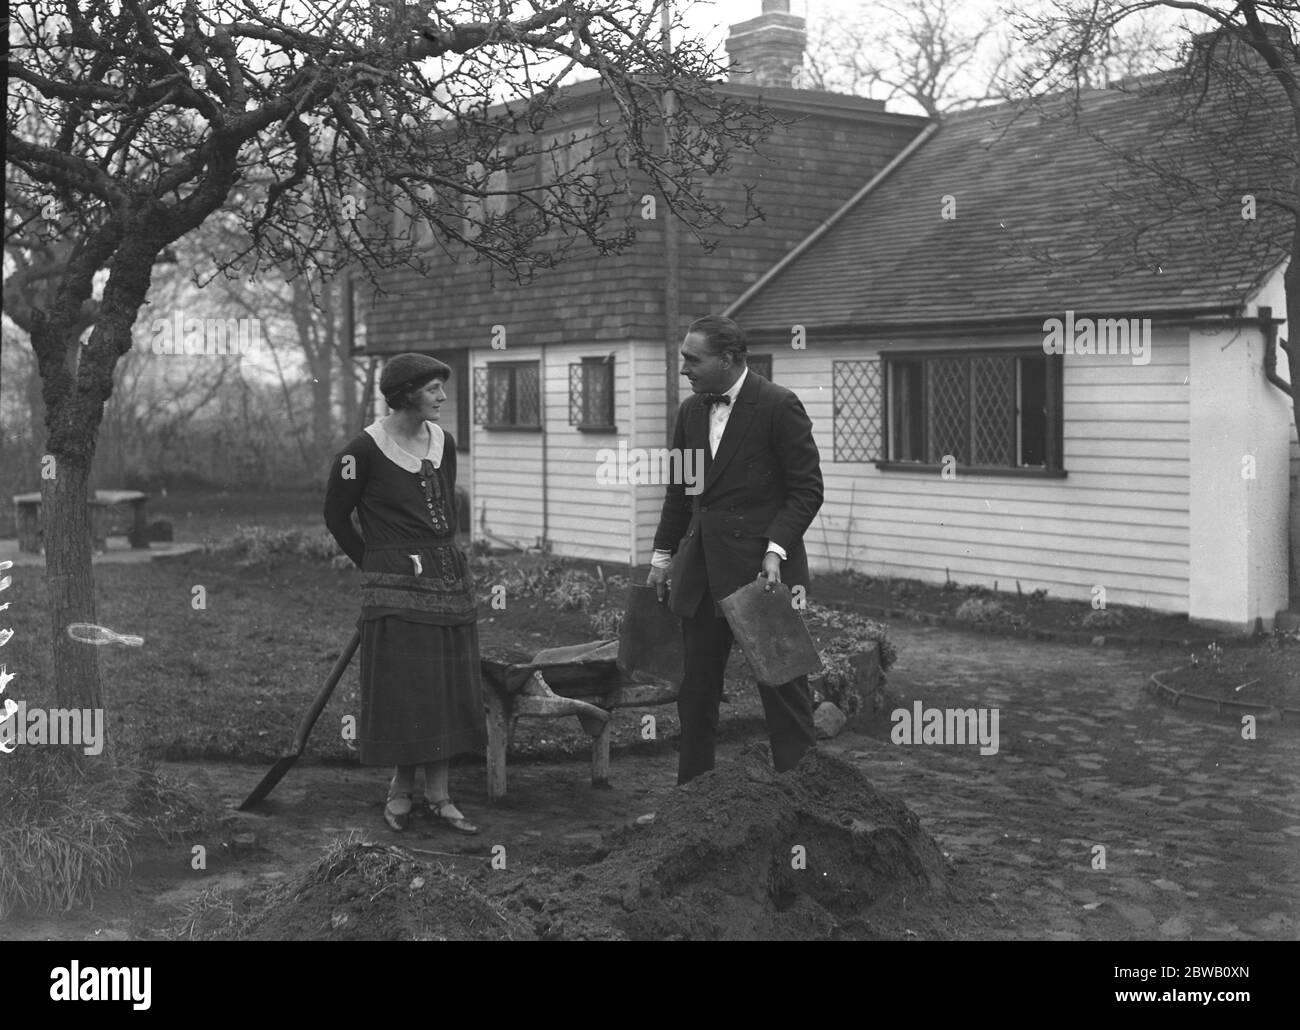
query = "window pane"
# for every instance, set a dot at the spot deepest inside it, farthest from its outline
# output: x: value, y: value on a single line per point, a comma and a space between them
x: 905, y: 407
x: 949, y: 410
x: 577, y: 382
x: 500, y: 380
x: 993, y: 410
x: 528, y: 401
x: 1033, y: 411
x: 598, y: 393
x: 857, y: 399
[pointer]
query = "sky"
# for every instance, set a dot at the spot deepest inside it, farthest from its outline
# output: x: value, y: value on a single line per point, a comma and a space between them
x: 711, y: 20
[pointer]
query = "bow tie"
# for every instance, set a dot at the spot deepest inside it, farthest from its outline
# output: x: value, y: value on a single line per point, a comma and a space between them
x: 711, y: 399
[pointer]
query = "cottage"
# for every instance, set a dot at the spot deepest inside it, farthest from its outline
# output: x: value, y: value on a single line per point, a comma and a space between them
x: 1000, y: 392
x: 1003, y: 396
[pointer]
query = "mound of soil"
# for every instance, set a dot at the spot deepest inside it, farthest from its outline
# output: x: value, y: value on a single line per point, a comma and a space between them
x: 745, y: 853
x: 372, y: 892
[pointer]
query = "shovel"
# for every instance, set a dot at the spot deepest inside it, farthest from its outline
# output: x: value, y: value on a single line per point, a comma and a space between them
x: 283, y: 765
x: 770, y: 632
x: 650, y: 641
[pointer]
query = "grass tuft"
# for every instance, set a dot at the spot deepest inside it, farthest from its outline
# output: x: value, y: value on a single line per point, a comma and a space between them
x: 68, y: 830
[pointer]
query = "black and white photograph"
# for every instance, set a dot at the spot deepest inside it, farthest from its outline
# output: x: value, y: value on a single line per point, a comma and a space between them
x: 652, y: 470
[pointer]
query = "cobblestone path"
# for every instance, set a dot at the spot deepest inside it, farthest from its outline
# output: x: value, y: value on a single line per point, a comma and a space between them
x: 1201, y: 828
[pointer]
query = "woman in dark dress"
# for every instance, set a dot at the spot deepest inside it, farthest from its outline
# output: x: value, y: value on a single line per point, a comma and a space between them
x: 421, y: 695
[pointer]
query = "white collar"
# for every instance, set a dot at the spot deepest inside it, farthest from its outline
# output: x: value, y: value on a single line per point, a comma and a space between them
x: 399, y: 455
x: 734, y: 391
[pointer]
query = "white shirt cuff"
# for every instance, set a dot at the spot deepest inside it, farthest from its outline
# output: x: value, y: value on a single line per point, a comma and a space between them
x: 662, y: 560
x: 780, y: 551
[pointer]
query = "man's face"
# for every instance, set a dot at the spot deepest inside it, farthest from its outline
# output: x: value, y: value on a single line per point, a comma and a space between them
x: 707, y: 373
x: 428, y: 400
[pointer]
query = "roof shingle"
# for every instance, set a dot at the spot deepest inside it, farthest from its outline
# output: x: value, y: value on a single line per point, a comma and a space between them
x: 1055, y: 209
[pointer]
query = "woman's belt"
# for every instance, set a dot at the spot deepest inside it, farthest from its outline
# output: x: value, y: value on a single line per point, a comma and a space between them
x: 406, y: 545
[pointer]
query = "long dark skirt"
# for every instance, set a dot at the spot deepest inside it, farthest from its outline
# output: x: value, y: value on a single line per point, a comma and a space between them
x: 421, y: 692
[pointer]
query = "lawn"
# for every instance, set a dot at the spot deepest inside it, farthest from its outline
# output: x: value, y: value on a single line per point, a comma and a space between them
x: 231, y: 677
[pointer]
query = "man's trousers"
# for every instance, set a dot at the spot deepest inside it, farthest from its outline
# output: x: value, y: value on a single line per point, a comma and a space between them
x: 787, y: 708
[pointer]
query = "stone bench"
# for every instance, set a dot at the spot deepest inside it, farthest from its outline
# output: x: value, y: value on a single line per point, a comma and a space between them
x: 27, y: 519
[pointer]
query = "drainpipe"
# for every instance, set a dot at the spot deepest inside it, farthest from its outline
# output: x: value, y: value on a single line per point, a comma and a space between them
x: 1269, y: 324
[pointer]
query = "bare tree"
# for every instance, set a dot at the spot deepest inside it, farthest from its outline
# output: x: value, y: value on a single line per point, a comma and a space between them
x: 925, y: 52
x: 130, y: 123
x: 943, y: 55
x: 1234, y: 95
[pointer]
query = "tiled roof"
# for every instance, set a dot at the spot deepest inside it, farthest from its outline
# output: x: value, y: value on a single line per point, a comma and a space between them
x: 1045, y: 215
x: 800, y: 176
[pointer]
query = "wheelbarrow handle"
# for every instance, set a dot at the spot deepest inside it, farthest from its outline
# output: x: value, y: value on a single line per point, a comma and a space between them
x: 322, y: 698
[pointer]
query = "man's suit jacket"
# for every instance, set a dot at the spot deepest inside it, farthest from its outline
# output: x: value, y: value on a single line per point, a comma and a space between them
x: 764, y: 484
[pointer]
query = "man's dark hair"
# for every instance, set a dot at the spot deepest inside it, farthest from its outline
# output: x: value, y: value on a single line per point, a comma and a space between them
x: 722, y: 335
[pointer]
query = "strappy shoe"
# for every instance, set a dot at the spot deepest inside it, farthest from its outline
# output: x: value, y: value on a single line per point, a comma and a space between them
x: 460, y: 825
x: 396, y: 819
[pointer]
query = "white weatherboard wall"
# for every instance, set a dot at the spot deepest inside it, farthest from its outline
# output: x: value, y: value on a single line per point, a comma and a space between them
x: 1118, y: 520
x: 1273, y: 295
x: 580, y: 517
x: 652, y: 432
x: 1239, y: 521
x: 507, y: 469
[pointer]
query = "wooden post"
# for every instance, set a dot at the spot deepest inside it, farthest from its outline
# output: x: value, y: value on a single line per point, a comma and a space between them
x: 600, y: 756
x: 139, y: 535
x: 497, y: 734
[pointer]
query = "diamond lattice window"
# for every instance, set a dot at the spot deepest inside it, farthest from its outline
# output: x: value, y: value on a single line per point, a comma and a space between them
x: 591, y: 393
x: 507, y: 395
x: 857, y: 410
x: 989, y: 411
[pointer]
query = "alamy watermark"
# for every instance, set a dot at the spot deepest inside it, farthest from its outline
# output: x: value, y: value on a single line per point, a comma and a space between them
x: 656, y: 467
x: 77, y: 727
x: 75, y: 982
x: 946, y: 726
x: 194, y: 336
x: 1099, y: 336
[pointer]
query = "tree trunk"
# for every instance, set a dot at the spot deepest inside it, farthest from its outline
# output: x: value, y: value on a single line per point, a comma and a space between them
x: 317, y: 349
x: 339, y: 343
x: 66, y: 517
x: 77, y: 381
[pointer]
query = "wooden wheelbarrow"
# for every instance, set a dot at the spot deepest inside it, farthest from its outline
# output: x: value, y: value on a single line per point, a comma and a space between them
x: 643, y: 667
x: 581, y: 680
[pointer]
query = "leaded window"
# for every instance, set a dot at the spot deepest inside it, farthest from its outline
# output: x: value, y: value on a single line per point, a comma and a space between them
x: 857, y: 407
x: 983, y: 410
x: 591, y: 393
x: 507, y: 395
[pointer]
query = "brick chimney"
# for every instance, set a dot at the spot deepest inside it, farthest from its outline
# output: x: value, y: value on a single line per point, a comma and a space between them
x: 768, y: 50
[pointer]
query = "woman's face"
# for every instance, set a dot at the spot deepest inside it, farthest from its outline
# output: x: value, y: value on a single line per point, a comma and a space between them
x: 427, y: 401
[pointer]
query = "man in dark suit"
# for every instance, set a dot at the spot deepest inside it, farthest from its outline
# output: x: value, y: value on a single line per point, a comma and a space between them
x: 762, y: 487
